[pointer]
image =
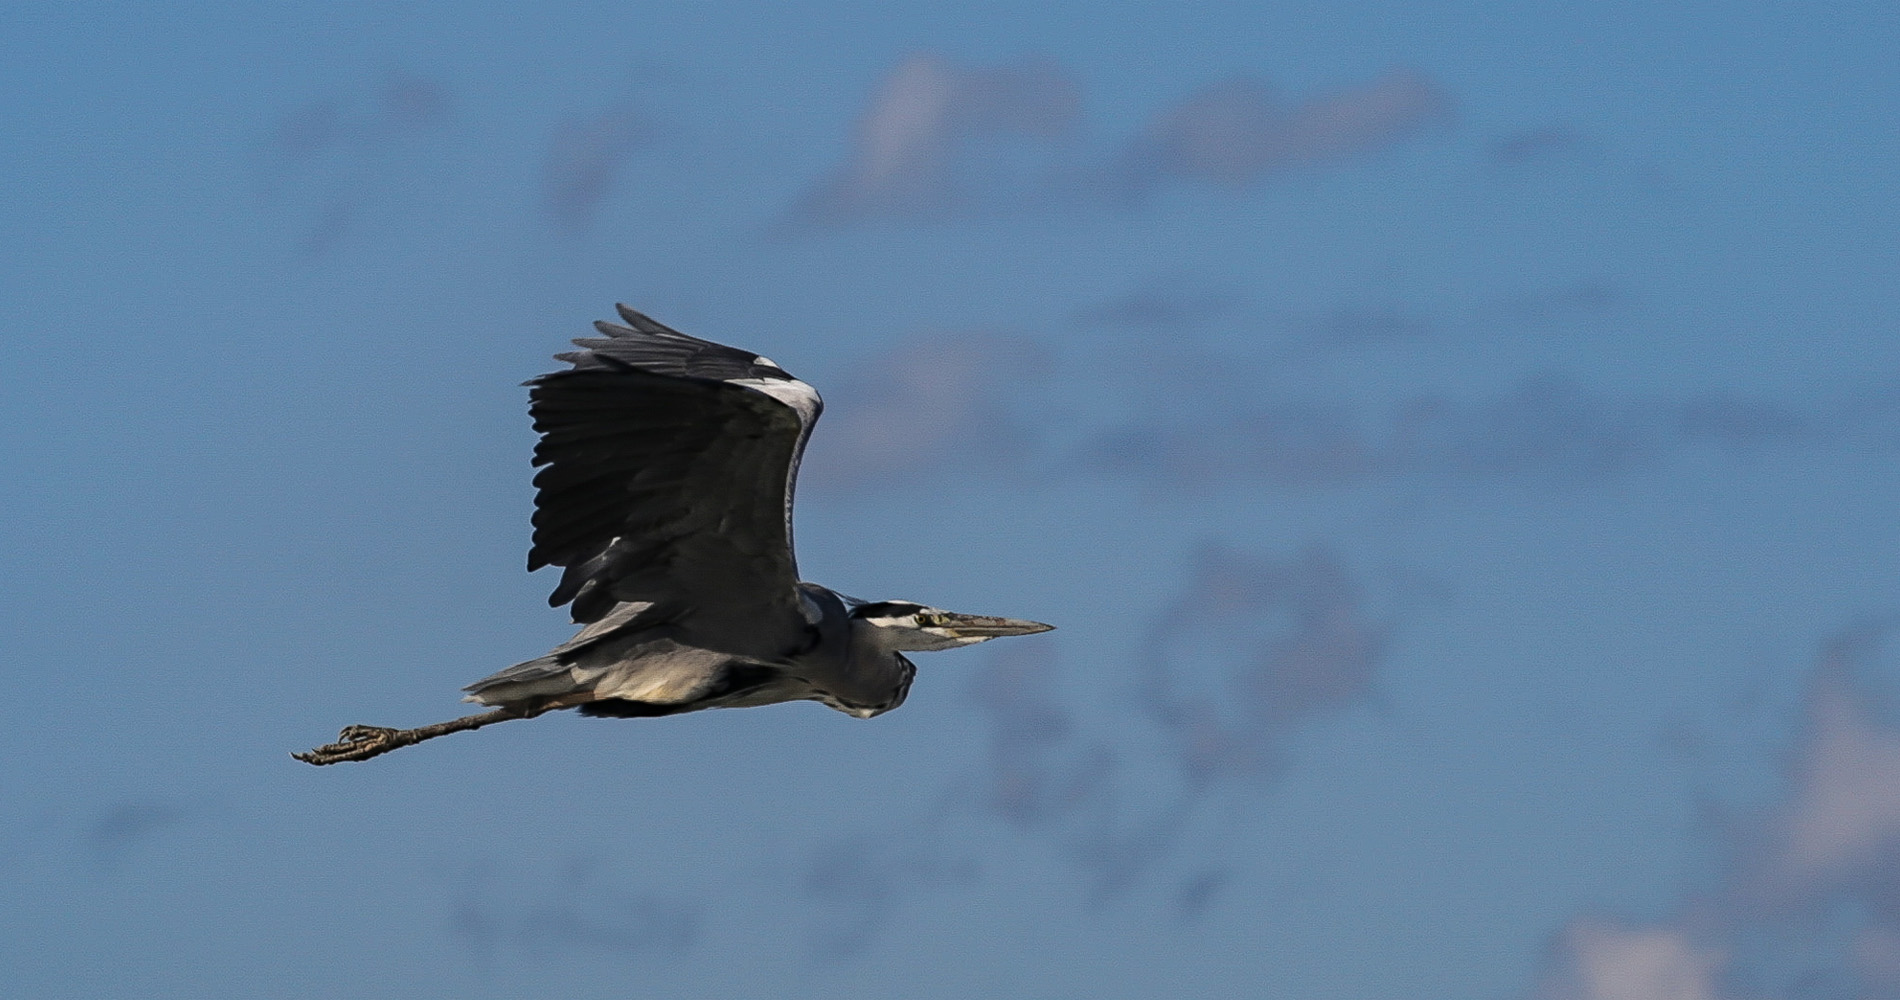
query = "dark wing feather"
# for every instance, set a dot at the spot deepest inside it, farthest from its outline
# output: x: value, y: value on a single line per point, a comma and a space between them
x: 670, y: 467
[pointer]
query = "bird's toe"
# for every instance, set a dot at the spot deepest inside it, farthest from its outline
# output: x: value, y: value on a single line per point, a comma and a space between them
x: 354, y: 743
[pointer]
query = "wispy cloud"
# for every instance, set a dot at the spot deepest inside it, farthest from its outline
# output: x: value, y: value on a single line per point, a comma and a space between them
x: 1185, y: 304
x: 944, y: 402
x: 1039, y: 771
x: 1253, y: 648
x: 1844, y: 815
x: 1359, y: 324
x: 1809, y: 901
x: 1550, y: 306
x: 412, y: 103
x: 1187, y: 414
x: 859, y: 881
x: 1605, y: 960
x: 1160, y: 308
x: 399, y: 105
x: 1738, y: 422
x: 1198, y: 892
x: 1537, y: 145
x: 583, y: 909
x: 121, y: 828
x: 1286, y: 443
x: 1031, y: 776
x: 1549, y: 427
x: 935, y: 139
x: 329, y: 161
x: 1049, y: 778
x: 586, y: 156
x: 913, y: 150
x: 1235, y: 133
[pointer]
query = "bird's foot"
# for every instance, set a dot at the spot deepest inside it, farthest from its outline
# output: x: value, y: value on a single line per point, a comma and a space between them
x: 356, y: 743
x: 364, y: 742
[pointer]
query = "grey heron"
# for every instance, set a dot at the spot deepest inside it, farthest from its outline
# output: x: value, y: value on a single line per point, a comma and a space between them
x: 665, y: 496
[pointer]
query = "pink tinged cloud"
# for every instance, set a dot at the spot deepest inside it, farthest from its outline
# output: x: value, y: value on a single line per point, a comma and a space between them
x: 1811, y: 891
x: 1843, y: 817
x: 908, y: 127
x: 1604, y: 960
x: 920, y: 147
x: 904, y: 154
x: 1876, y: 955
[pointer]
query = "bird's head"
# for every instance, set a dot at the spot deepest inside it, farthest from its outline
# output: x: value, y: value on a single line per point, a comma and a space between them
x: 904, y: 625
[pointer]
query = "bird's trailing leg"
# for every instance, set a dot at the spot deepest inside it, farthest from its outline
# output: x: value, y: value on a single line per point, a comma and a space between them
x: 364, y: 742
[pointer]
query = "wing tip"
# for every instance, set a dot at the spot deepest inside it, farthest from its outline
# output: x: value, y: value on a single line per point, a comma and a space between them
x: 634, y: 317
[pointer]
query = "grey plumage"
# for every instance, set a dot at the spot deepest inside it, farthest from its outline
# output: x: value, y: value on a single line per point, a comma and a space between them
x: 665, y: 497
x: 670, y: 465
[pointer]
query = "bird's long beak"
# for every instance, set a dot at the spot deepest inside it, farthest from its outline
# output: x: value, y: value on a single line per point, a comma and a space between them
x: 987, y: 627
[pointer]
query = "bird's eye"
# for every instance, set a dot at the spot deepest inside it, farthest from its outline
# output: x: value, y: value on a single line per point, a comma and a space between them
x: 926, y: 619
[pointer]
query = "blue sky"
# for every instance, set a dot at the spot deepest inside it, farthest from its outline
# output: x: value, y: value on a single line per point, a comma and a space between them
x: 1458, y: 445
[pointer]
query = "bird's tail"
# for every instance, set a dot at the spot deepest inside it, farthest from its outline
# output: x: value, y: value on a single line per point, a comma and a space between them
x: 541, y: 677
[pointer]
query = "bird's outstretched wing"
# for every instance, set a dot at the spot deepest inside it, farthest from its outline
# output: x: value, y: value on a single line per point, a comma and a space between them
x: 670, y: 467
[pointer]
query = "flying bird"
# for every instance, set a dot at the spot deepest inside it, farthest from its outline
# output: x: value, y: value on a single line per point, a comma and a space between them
x: 668, y: 465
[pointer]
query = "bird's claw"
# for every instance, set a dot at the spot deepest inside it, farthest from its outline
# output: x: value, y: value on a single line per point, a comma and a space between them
x: 353, y: 743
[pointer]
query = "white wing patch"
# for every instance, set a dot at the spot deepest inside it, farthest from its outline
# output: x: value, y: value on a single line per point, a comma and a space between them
x: 803, y: 399
x: 813, y: 613
x: 664, y: 672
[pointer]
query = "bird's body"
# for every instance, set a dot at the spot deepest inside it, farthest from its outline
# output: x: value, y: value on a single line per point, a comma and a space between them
x: 666, y: 497
x: 627, y: 665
